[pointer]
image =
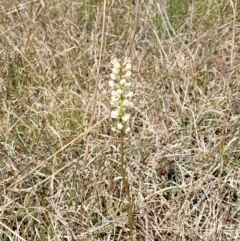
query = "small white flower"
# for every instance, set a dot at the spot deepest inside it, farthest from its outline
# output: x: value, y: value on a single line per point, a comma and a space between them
x: 119, y: 91
x: 114, y: 61
x: 111, y: 83
x: 114, y: 103
x: 126, y: 117
x: 115, y: 94
x: 113, y: 76
x: 114, y: 99
x: 130, y: 104
x: 128, y: 67
x: 123, y: 82
x: 115, y: 70
x: 128, y: 74
x: 114, y: 129
x: 119, y: 126
x: 127, y: 130
x: 127, y: 103
x: 115, y: 114
x: 129, y: 94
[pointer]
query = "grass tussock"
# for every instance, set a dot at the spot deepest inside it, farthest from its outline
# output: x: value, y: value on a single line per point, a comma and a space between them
x: 60, y: 176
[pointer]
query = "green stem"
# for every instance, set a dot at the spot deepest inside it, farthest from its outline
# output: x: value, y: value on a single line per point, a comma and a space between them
x: 126, y: 186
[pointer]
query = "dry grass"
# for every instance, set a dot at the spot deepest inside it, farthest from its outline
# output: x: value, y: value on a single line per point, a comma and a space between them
x: 59, y: 161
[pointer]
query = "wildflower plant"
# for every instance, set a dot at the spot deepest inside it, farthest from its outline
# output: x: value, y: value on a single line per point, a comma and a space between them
x: 121, y: 103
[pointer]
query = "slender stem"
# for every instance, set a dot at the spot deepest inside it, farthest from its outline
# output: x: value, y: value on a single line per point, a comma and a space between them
x: 126, y: 186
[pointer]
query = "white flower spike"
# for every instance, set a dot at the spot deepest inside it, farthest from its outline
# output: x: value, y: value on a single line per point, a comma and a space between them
x: 120, y: 94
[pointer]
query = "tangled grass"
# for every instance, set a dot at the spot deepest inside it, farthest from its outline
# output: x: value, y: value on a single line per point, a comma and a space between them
x: 60, y: 176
